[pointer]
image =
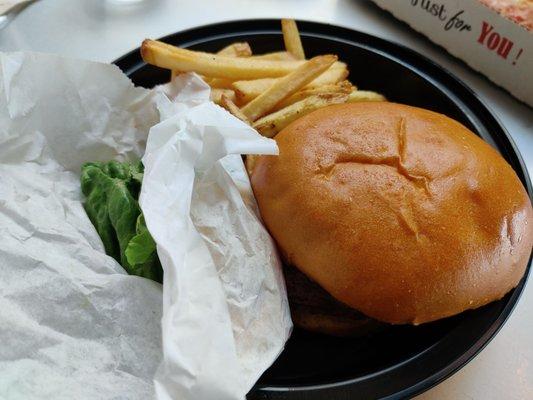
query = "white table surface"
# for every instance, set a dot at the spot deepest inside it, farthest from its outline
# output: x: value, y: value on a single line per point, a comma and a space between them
x: 102, y: 30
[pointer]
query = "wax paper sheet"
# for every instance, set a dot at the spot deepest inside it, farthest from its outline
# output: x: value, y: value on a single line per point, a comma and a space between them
x: 73, y: 324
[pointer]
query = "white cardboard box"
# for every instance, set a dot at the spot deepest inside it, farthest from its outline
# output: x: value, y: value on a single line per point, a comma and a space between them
x: 488, y: 42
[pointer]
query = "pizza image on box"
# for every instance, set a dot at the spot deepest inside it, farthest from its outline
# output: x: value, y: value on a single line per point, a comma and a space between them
x: 519, y: 11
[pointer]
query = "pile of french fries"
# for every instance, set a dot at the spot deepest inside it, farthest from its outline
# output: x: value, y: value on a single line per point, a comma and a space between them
x: 267, y: 91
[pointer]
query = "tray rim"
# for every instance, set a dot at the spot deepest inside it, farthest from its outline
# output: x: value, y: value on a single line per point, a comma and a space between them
x: 133, y: 57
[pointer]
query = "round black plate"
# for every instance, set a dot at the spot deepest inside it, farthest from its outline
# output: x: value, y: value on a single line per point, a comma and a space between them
x: 404, y: 360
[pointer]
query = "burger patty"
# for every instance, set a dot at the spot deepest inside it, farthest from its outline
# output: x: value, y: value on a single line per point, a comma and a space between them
x: 314, y: 309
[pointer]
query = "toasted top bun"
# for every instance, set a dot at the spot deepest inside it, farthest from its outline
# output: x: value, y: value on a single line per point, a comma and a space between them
x: 399, y: 212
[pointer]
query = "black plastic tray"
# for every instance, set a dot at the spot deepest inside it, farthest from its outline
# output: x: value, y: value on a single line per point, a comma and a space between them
x: 404, y: 360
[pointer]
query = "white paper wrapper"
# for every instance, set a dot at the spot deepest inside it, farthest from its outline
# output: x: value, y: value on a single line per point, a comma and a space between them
x: 73, y: 323
x: 222, y: 274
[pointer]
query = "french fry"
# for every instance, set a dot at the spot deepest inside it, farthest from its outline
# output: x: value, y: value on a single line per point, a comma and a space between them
x: 343, y: 87
x: 219, y: 83
x: 271, y: 124
x: 217, y: 94
x: 249, y: 163
x: 212, y: 65
x: 364, y: 95
x: 291, y: 37
x: 237, y: 49
x: 229, y: 105
x: 346, y: 84
x: 277, y: 55
x: 337, y: 73
x: 288, y: 85
x: 247, y: 90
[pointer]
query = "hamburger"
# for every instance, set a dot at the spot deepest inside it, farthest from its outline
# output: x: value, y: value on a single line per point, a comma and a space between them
x: 393, y: 214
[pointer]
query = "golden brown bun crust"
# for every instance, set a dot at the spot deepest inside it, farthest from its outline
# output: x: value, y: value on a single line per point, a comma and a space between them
x: 399, y: 212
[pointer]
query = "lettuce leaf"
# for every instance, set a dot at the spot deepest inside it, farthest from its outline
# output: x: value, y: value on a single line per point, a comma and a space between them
x: 112, y: 192
x: 142, y: 255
